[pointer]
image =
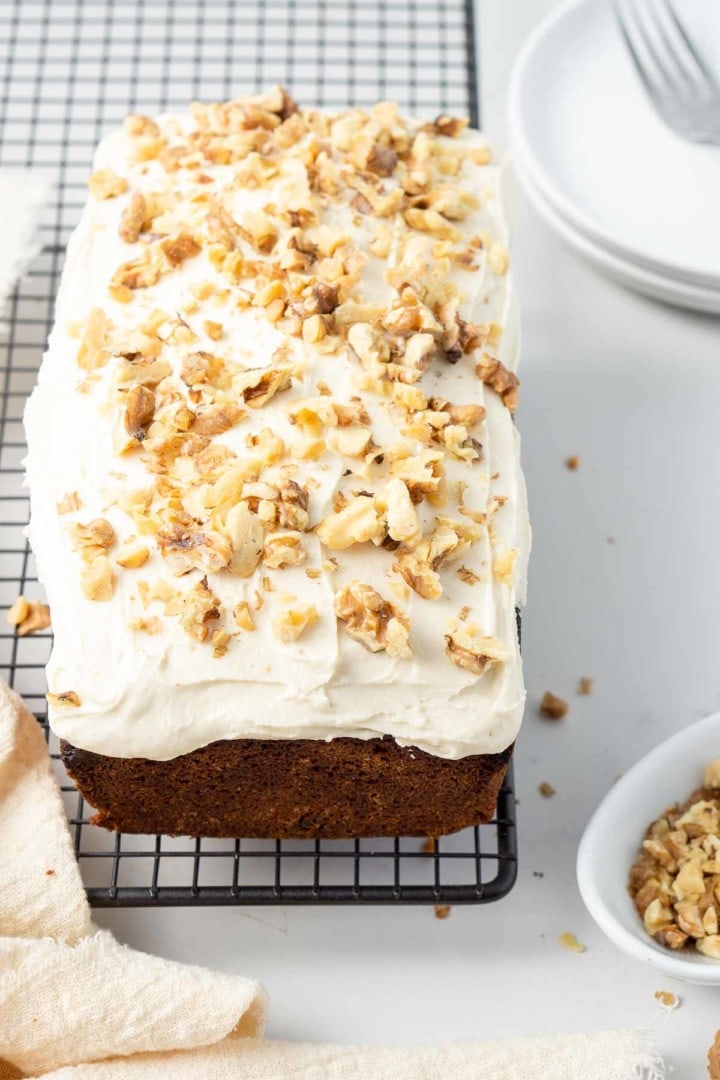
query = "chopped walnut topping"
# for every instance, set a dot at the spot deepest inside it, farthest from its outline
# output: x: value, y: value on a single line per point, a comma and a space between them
x: 294, y: 621
x: 136, y: 274
x: 199, y: 608
x: 242, y: 616
x: 96, y: 579
x: 246, y: 534
x: 92, y: 352
x: 421, y: 472
x: 219, y: 640
x: 498, y: 258
x: 133, y: 555
x: 356, y: 523
x: 28, y: 616
x: 553, y: 707
x: 214, y: 330
x: 451, y: 126
x: 449, y: 540
x: 93, y: 539
x: 133, y: 219
x: 69, y: 503
x: 467, y: 575
x: 504, y: 567
x: 135, y: 125
x: 68, y: 697
x: 179, y: 248
x: 139, y: 411
x: 259, y: 385
x: 401, y: 516
x: 186, y: 547
x: 283, y: 549
x: 105, y: 184
x: 216, y: 419
x: 373, y: 621
x: 472, y: 652
x: 500, y: 379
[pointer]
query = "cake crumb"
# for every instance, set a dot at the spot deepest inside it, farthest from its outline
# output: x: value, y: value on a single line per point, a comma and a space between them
x: 610, y: 539
x: 569, y: 941
x: 667, y: 999
x: 49, y: 873
x: 572, y: 463
x: 585, y: 685
x: 554, y: 707
x: 538, y: 873
x: 442, y: 911
x: 429, y: 845
x: 546, y: 790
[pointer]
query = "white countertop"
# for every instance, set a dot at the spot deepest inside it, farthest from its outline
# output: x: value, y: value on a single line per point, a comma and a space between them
x: 632, y: 388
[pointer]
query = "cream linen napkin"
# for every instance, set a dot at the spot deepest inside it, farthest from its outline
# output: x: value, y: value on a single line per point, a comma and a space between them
x: 77, y: 1005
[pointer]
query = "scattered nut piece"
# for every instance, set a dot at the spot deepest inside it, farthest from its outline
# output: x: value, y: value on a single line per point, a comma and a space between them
x: 133, y: 555
x: 667, y: 999
x: 105, y: 184
x: 569, y: 941
x: 243, y: 616
x: 572, y: 463
x: 28, y: 616
x: 96, y: 579
x: 553, y: 707
x: 442, y: 911
x: 546, y: 790
x: 68, y: 697
x: 139, y: 411
x: 133, y: 219
x: 585, y: 686
x: 294, y: 621
x: 373, y: 621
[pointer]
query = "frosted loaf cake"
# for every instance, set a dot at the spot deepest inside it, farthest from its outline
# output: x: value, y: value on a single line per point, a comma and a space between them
x: 276, y: 496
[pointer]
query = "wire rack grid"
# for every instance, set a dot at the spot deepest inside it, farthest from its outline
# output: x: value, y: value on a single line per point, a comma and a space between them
x: 69, y: 71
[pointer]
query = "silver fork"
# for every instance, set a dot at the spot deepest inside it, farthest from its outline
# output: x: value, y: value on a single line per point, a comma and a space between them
x: 684, y: 92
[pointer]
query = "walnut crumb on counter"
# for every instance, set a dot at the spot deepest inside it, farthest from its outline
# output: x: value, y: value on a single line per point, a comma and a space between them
x: 585, y: 685
x: 553, y: 707
x: 572, y: 463
x: 570, y: 942
x: 546, y: 790
x: 667, y: 999
x: 442, y: 911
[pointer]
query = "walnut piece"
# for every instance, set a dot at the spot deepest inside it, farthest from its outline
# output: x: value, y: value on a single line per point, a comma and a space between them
x: 246, y: 534
x: 105, y: 184
x: 473, y: 652
x: 28, y: 616
x: 570, y: 942
x: 356, y: 523
x: 504, y: 382
x: 139, y: 411
x: 132, y: 555
x: 96, y: 579
x: 373, y: 621
x: 553, y: 707
x: 92, y: 352
x: 132, y: 221
x: 67, y: 697
x: 294, y: 621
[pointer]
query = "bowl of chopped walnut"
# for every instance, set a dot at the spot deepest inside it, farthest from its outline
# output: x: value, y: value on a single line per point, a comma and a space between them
x: 649, y: 862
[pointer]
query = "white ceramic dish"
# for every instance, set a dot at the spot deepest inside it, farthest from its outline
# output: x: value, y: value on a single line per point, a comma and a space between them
x: 649, y: 283
x: 595, y: 148
x: 608, y: 848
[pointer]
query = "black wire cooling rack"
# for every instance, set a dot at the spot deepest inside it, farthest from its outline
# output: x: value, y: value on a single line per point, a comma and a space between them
x: 69, y: 71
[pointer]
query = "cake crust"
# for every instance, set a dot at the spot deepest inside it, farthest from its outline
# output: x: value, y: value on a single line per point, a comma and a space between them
x: 285, y: 789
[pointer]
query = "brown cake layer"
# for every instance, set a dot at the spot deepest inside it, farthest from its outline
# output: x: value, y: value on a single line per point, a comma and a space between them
x: 290, y: 788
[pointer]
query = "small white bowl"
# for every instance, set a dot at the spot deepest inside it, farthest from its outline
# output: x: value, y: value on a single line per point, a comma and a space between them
x: 668, y: 774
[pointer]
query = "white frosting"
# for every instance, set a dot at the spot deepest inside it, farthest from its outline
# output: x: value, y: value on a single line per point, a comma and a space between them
x: 162, y: 695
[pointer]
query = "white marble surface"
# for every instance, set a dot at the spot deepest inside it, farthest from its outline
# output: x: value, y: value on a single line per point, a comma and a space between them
x: 632, y: 388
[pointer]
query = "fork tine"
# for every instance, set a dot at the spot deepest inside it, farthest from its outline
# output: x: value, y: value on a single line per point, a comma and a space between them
x: 678, y: 41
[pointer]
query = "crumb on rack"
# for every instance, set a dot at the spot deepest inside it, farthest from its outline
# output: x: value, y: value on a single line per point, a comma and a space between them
x: 28, y: 616
x: 667, y: 999
x: 585, y: 685
x: 553, y: 707
x: 570, y: 942
x: 546, y: 790
x: 572, y: 463
x: 442, y: 911
x: 429, y: 845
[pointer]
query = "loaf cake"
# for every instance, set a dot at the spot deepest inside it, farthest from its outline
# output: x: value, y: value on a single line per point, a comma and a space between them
x: 276, y: 499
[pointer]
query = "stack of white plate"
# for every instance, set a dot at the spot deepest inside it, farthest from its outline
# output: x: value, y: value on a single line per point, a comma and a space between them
x: 600, y: 165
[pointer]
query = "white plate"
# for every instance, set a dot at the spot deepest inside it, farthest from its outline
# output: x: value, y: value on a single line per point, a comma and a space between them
x: 631, y: 275
x: 668, y: 774
x: 598, y: 152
